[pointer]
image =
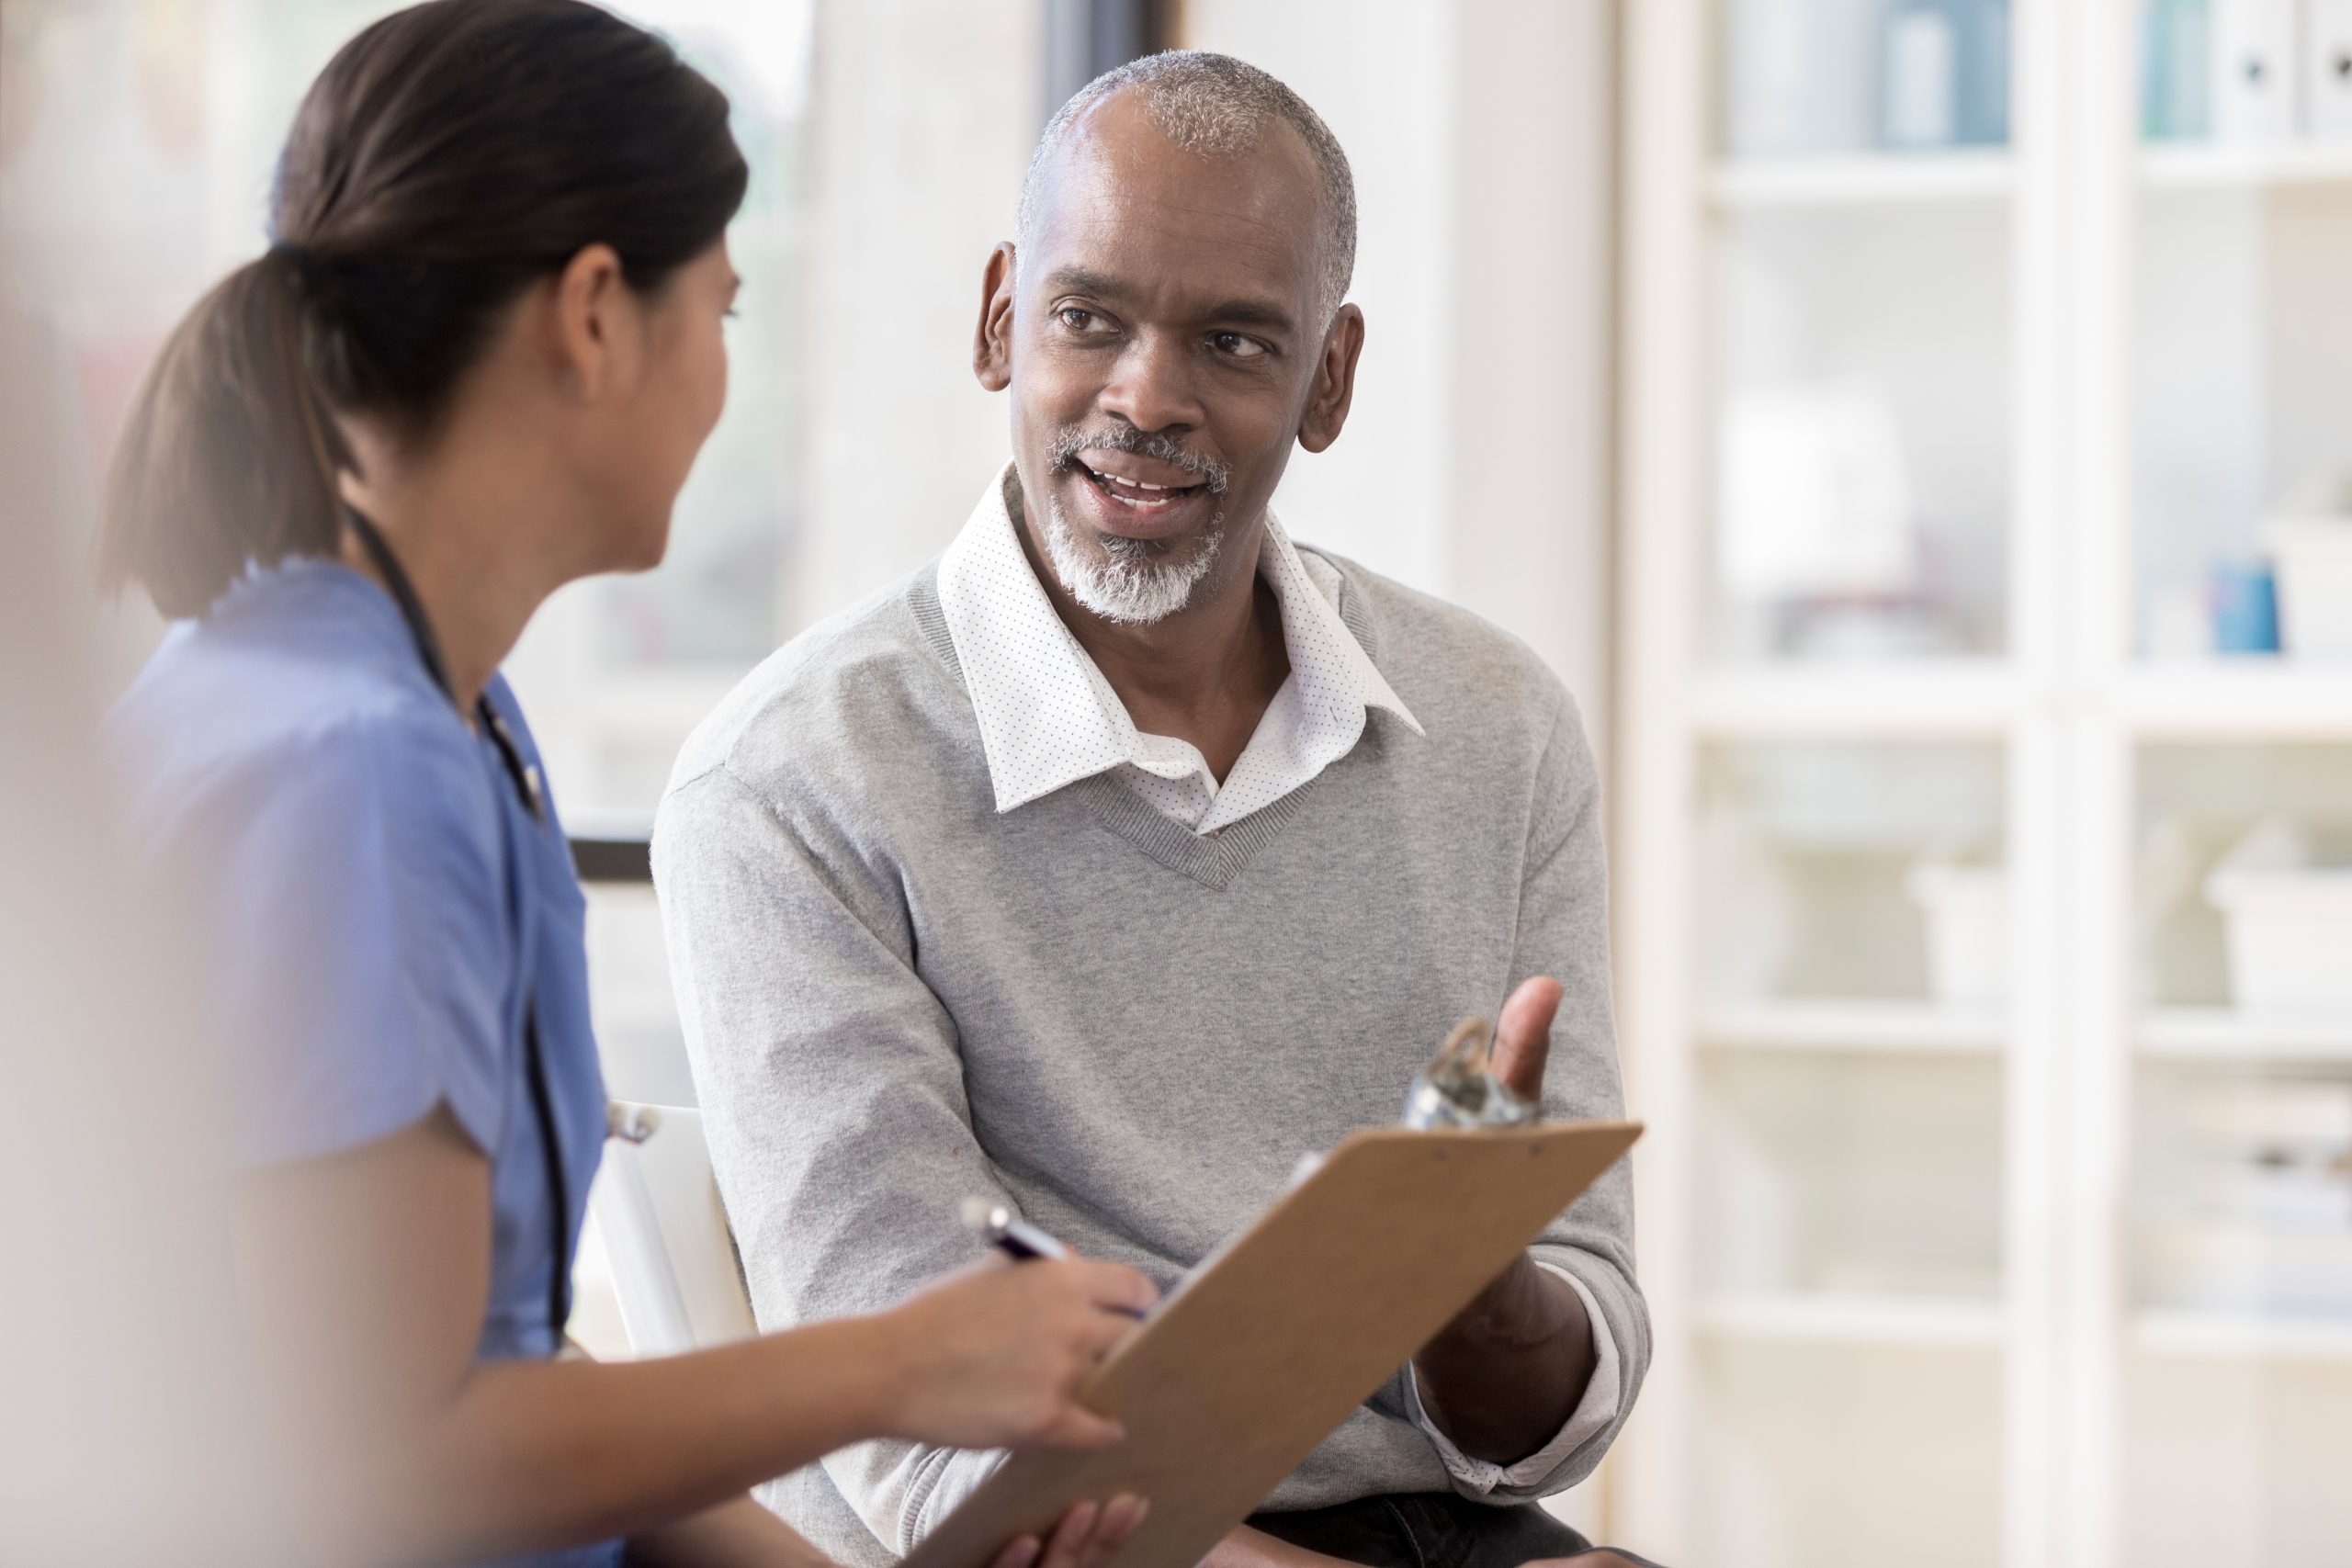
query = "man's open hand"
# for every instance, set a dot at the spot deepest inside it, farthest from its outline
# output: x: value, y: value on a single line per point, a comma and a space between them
x: 1505, y: 1373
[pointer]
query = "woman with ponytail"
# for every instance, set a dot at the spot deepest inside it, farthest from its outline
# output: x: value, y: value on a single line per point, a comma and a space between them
x: 474, y: 365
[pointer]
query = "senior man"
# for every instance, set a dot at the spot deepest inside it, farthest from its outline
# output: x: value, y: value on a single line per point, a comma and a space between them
x: 1131, y: 850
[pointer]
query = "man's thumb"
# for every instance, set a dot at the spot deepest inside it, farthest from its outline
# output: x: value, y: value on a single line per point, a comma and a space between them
x: 1523, y: 1037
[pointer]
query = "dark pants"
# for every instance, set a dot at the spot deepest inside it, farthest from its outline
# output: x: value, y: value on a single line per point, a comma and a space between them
x: 1426, y: 1530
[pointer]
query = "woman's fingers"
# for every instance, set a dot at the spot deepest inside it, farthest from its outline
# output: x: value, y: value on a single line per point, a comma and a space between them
x: 1078, y: 1428
x: 1021, y: 1551
x: 1069, y: 1536
x: 1101, y: 1330
x: 1120, y: 1520
x: 1088, y: 1537
x: 1117, y: 1287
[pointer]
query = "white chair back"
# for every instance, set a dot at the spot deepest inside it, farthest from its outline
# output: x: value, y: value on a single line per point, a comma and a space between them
x: 673, y: 1258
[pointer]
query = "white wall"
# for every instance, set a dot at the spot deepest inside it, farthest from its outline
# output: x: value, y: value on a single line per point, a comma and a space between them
x: 1380, y: 73
x: 923, y: 136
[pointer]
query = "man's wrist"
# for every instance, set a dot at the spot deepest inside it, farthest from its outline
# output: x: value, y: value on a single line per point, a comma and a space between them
x: 1502, y: 1307
x: 1511, y: 1367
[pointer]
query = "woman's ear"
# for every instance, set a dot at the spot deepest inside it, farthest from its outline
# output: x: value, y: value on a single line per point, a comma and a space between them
x: 1334, y: 389
x: 992, y: 339
x: 595, y: 326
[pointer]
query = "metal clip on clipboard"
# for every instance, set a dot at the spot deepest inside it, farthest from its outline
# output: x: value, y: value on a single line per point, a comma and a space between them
x: 1457, y: 1089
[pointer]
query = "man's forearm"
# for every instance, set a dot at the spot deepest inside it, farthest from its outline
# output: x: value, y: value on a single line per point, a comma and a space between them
x: 1508, y: 1371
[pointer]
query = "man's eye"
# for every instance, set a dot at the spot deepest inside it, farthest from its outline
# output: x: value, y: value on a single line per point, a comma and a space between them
x: 1078, y: 319
x: 1238, y: 346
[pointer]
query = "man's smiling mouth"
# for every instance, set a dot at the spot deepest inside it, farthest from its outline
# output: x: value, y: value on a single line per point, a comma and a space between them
x: 1136, y: 493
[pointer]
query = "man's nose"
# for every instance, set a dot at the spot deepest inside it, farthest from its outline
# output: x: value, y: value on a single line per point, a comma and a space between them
x: 1152, y: 385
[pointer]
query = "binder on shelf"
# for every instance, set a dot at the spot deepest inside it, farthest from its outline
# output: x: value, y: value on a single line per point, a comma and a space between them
x: 1944, y: 73
x: 1919, y: 83
x: 2327, y: 69
x: 2177, y: 71
x: 1797, y: 77
x: 2253, y: 70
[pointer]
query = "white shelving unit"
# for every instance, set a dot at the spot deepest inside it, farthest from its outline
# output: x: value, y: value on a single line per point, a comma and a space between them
x: 2221, y: 1034
x: 2232, y: 1336
x: 1838, y: 1319
x: 2224, y: 168
x: 2074, y: 1424
x: 1946, y: 699
x: 1900, y: 1027
x: 1860, y: 179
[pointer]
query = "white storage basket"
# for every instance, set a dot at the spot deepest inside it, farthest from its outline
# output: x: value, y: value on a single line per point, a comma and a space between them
x: 1967, y: 911
x: 2286, y: 896
x: 2308, y: 537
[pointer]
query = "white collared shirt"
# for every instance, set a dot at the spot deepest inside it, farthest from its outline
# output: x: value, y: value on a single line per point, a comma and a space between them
x: 1048, y: 717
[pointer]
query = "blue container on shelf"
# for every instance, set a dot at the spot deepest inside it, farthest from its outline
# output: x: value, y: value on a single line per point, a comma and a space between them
x: 1943, y: 73
x: 2244, y: 595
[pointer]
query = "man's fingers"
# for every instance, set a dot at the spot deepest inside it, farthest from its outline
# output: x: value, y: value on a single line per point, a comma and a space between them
x: 1523, y: 1037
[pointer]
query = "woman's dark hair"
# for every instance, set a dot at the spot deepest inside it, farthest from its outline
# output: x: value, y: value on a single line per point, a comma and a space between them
x: 446, y: 158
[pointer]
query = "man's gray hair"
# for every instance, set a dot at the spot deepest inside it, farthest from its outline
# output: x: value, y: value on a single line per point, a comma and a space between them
x: 1217, y: 106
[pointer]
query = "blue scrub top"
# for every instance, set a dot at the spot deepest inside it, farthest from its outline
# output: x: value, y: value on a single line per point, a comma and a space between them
x: 378, y: 908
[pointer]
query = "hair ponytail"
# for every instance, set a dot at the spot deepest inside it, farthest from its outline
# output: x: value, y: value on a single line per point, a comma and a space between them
x: 225, y: 459
x: 445, y: 158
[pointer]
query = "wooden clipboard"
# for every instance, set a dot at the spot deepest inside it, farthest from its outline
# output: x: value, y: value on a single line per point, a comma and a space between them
x: 1232, y: 1381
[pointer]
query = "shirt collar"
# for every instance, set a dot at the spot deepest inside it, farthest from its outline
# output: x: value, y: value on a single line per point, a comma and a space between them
x: 1048, y: 717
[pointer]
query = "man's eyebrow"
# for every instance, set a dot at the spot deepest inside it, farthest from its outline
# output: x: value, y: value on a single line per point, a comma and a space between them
x: 1078, y: 280
x: 1252, y: 313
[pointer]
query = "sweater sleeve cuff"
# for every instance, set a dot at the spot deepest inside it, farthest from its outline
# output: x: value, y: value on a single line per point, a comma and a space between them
x: 1479, y: 1478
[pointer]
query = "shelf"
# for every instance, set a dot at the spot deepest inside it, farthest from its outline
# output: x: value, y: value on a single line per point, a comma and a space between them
x: 2258, y: 699
x: 2226, y: 1035
x: 1926, y: 700
x: 1860, y: 179
x: 1874, y: 1027
x: 1840, y: 1319
x: 2241, y: 1335
x: 2253, y: 165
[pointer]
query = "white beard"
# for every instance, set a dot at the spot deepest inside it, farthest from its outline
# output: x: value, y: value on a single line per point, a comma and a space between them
x: 1119, y: 580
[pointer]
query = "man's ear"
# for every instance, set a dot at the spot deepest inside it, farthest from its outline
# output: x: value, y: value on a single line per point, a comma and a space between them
x: 992, y: 342
x: 592, y: 333
x: 1334, y: 390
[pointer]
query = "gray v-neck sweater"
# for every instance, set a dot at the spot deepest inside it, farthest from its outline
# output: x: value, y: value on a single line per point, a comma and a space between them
x: 895, y: 997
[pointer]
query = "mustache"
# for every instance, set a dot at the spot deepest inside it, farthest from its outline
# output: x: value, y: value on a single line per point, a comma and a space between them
x: 1067, y: 443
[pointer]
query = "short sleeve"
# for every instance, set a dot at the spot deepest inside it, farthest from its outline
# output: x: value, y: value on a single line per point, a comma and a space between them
x: 362, y: 952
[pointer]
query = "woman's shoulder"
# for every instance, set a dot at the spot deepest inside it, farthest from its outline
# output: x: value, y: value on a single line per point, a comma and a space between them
x: 300, y: 685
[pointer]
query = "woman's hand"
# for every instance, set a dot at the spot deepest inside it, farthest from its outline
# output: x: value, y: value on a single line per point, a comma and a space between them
x: 993, y: 1357
x: 1088, y: 1537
